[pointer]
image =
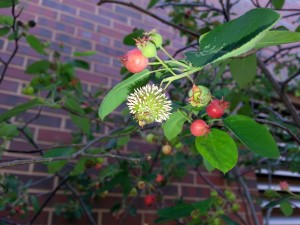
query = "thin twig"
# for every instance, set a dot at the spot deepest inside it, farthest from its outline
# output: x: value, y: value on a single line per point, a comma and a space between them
x: 281, y: 127
x: 82, y: 203
x: 283, y: 85
x: 247, y: 194
x: 16, y: 47
x: 63, y: 181
x: 219, y: 192
x: 283, y: 96
x: 190, y: 5
x: 43, y: 149
x: 147, y: 12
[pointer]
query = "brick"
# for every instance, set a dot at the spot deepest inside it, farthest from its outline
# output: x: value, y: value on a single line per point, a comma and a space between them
x: 95, y: 18
x: 92, y: 77
x: 61, y: 7
x: 150, y: 219
x: 8, y: 85
x: 170, y: 190
x: 199, y: 192
x: 45, y: 185
x: 109, y: 219
x: 107, y: 70
x: 108, y: 50
x: 15, y: 168
x: 43, y: 120
x: 83, y: 5
x: 216, y: 180
x: 25, y: 219
x: 128, y: 12
x: 12, y: 100
x: 30, y: 6
x: 76, y: 21
x: 113, y: 16
x: 17, y: 60
x: 54, y: 136
x: 59, y: 219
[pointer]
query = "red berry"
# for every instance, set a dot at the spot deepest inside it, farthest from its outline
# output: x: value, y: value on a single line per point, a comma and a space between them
x: 216, y: 108
x: 159, y: 178
x: 134, y: 61
x: 199, y: 128
x: 149, y: 200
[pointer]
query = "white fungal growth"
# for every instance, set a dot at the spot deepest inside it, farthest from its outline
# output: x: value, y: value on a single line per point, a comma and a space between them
x: 149, y: 104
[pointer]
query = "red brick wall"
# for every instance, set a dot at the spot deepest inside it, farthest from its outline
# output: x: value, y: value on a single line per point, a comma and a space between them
x: 80, y: 25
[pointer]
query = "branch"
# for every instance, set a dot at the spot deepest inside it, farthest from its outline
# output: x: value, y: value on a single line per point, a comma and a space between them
x: 283, y: 96
x: 82, y: 203
x: 48, y: 199
x: 219, y: 192
x: 247, y: 194
x: 283, y: 85
x: 191, y: 5
x: 147, y: 12
x: 81, y: 152
x: 281, y: 127
x: 14, y: 52
x: 42, y: 149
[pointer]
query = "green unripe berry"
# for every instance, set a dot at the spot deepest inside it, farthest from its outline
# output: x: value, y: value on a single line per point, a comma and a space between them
x: 29, y: 90
x: 195, y: 214
x: 217, y: 221
x: 235, y: 207
x: 148, y: 50
x: 157, y: 39
x: 199, y: 96
x: 133, y: 192
x: 214, y: 193
x: 150, y: 138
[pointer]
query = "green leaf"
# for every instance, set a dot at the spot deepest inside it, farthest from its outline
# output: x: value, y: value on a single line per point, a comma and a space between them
x: 129, y: 39
x: 208, y: 166
x: 8, y: 130
x: 20, y: 108
x: 81, y: 64
x: 36, y: 44
x: 173, y: 125
x: 297, y: 29
x: 255, y: 136
x: 120, y: 92
x: 278, y: 38
x: 182, y: 210
x: 86, y: 53
x: 152, y: 3
x: 286, y: 208
x: 278, y: 4
x: 79, y: 167
x: 35, y: 203
x: 233, y: 38
x: 73, y: 105
x: 8, y: 3
x: 229, y: 221
x: 277, y: 202
x: 82, y: 123
x: 219, y: 149
x: 54, y: 167
x: 38, y: 67
x: 243, y: 70
x: 6, y: 20
x: 4, y: 31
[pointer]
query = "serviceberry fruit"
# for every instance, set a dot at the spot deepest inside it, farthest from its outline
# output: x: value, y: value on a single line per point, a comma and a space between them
x: 149, y: 200
x: 134, y: 61
x: 199, y: 128
x: 166, y: 149
x: 216, y: 108
x: 199, y: 96
x: 159, y: 178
